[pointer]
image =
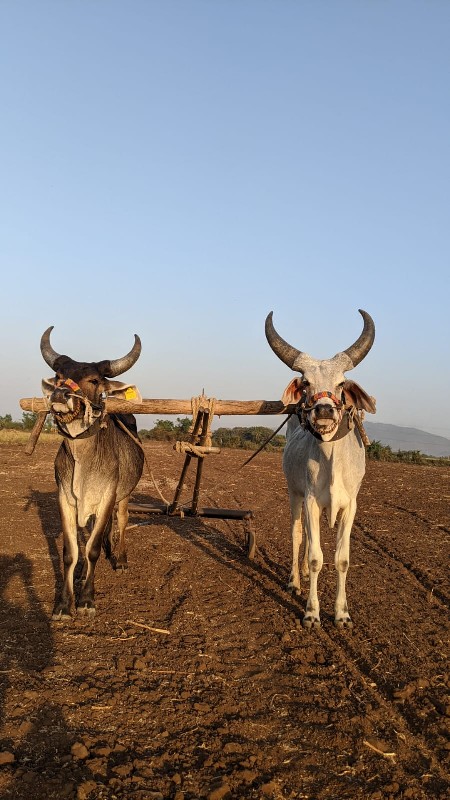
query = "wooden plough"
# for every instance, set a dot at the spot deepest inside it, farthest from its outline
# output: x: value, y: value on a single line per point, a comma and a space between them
x: 202, y: 410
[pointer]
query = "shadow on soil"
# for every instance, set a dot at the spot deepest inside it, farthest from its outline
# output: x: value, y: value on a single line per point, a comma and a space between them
x: 205, y: 536
x: 46, y: 505
x: 36, y: 729
x: 211, y: 541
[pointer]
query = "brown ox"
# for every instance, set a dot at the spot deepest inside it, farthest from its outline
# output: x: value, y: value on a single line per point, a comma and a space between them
x: 97, y: 465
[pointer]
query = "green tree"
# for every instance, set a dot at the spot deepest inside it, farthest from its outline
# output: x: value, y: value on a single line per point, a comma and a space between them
x: 379, y: 452
x: 164, y: 425
x: 183, y: 425
x: 247, y: 438
x: 167, y: 431
x: 28, y: 420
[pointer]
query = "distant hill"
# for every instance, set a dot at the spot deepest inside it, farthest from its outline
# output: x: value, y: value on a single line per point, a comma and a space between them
x: 399, y: 438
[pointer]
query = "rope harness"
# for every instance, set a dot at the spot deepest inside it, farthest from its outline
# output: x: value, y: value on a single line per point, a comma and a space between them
x: 352, y: 417
x: 319, y: 396
x: 94, y: 413
x: 95, y: 419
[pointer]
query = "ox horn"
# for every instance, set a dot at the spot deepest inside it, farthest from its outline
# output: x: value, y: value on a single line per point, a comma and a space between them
x: 361, y: 347
x: 292, y: 357
x: 119, y: 365
x: 49, y: 355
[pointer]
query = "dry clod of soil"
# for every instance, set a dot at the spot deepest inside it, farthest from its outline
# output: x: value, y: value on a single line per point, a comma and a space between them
x: 79, y: 751
x: 221, y: 793
x: 85, y: 789
x: 6, y: 758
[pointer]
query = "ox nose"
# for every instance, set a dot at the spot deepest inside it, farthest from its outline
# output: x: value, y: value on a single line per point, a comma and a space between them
x: 324, y: 411
x: 60, y: 394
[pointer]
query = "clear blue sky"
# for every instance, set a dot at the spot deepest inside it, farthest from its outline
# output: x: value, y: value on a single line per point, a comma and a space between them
x: 179, y: 169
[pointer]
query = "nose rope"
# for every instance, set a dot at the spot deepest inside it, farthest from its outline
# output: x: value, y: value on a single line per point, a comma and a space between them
x: 319, y: 396
x: 89, y: 407
x: 355, y: 416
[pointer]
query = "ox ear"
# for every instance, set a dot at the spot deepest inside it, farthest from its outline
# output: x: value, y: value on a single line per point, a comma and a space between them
x: 293, y: 392
x: 123, y: 391
x: 48, y: 386
x: 356, y: 396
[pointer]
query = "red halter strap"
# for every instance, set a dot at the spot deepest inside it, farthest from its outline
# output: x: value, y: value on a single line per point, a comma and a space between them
x: 72, y: 385
x: 330, y: 396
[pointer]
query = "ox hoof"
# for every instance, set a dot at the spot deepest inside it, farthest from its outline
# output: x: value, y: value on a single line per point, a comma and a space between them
x: 343, y: 623
x: 121, y: 567
x: 309, y: 622
x: 61, y: 615
x: 88, y: 610
x: 294, y: 590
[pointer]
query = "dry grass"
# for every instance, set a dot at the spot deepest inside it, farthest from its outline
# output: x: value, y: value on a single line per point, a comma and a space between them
x: 11, y: 436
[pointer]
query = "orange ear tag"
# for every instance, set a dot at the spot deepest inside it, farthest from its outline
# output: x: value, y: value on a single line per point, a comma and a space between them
x: 72, y: 385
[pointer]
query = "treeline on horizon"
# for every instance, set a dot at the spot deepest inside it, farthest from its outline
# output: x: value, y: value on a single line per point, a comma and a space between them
x: 26, y: 423
x: 252, y: 437
x: 242, y: 438
x: 237, y: 438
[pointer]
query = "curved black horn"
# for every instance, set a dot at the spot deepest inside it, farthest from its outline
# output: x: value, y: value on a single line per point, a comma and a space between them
x: 49, y: 355
x: 361, y: 347
x: 119, y: 365
x: 290, y: 355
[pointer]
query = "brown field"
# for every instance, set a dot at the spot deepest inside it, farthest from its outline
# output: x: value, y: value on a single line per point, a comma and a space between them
x: 234, y: 699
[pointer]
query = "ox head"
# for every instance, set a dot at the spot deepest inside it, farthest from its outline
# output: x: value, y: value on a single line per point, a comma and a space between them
x: 323, y: 390
x: 77, y: 392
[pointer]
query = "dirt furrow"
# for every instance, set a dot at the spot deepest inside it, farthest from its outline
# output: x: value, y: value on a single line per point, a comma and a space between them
x: 426, y: 583
x: 364, y: 661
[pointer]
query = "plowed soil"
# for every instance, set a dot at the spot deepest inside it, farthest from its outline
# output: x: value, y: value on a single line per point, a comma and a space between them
x: 195, y: 678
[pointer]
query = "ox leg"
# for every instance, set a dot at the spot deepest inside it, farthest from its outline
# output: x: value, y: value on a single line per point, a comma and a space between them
x: 341, y: 560
x: 122, y: 521
x: 86, y: 603
x: 311, y: 618
x: 296, y: 502
x: 68, y: 514
x: 305, y: 561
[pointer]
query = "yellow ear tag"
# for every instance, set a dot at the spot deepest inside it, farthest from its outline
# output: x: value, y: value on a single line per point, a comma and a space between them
x: 130, y: 393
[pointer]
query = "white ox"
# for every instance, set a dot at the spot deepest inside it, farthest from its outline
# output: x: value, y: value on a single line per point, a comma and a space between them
x: 324, y: 459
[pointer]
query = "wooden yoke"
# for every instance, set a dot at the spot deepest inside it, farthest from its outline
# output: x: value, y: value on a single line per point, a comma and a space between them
x: 169, y: 407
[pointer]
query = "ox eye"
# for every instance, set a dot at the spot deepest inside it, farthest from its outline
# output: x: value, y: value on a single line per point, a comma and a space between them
x: 94, y: 381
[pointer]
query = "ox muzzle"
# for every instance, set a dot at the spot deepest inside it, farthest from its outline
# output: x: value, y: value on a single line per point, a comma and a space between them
x: 323, y: 412
x: 68, y: 402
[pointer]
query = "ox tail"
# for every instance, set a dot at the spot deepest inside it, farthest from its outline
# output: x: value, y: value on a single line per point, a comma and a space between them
x: 107, y: 542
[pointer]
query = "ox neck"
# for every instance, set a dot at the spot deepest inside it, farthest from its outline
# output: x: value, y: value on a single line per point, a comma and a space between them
x: 93, y: 429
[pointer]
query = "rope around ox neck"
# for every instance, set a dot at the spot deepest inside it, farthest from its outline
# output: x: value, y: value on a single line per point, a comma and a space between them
x: 357, y: 417
x: 358, y: 420
x: 139, y: 443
